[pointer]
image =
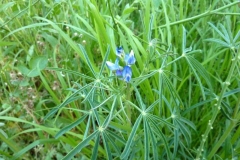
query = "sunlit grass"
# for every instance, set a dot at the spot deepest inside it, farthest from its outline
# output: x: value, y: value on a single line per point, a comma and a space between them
x: 59, y: 100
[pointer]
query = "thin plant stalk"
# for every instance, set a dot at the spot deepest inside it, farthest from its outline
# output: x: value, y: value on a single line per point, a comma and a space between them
x: 219, y: 99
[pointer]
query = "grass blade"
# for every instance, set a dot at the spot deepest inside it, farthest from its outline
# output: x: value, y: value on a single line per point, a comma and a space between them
x: 32, y: 145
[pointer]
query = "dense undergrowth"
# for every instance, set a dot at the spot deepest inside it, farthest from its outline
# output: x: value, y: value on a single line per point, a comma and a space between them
x: 178, y: 97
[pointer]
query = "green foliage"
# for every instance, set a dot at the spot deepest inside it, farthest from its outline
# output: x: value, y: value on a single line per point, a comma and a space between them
x: 60, y: 101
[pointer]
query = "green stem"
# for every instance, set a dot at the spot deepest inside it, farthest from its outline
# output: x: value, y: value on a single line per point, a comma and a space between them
x: 219, y: 101
x: 226, y: 133
x: 207, y: 13
x: 115, y: 24
x: 128, y: 94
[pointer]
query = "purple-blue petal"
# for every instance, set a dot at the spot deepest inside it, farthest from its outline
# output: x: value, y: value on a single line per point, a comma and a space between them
x: 112, y: 66
x: 119, y: 72
x: 129, y: 58
x: 119, y: 51
x: 127, y: 73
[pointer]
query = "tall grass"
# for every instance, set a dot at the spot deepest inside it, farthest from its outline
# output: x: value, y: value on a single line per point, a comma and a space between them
x: 59, y: 100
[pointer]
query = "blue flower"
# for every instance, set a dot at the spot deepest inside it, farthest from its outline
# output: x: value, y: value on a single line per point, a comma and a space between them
x: 127, y: 73
x: 119, y: 51
x: 113, y: 66
x: 129, y: 58
x: 124, y: 73
x: 119, y: 72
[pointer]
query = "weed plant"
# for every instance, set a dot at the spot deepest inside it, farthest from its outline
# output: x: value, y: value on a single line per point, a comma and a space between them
x: 64, y: 94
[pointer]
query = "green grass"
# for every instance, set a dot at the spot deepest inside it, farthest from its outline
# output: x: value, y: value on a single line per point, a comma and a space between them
x: 59, y: 100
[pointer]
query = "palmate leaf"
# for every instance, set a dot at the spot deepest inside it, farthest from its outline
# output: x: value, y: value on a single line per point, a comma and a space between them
x: 197, y: 68
x: 95, y: 149
x: 67, y: 101
x: 139, y: 99
x: 154, y: 142
x: 146, y: 139
x: 182, y: 125
x: 69, y: 127
x: 176, y: 142
x: 112, y: 142
x: 226, y: 38
x: 172, y: 90
x: 71, y: 72
x: 126, y: 150
x: 226, y: 94
x: 236, y: 37
x: 110, y: 114
x: 108, y: 150
x: 88, y: 61
x: 104, y: 61
x: 159, y: 133
x: 222, y: 43
x: 80, y: 146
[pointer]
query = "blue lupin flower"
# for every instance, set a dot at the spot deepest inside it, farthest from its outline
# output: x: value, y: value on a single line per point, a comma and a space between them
x: 119, y: 51
x: 119, y: 72
x: 124, y: 73
x: 129, y: 58
x: 127, y: 73
x: 113, y: 66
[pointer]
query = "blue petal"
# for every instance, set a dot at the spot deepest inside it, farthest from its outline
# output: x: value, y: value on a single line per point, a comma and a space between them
x: 129, y: 58
x: 119, y: 51
x: 113, y: 66
x: 127, y: 73
x: 119, y: 72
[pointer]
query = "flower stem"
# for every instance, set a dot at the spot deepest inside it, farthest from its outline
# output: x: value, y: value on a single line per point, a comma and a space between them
x: 231, y: 126
x: 128, y: 94
x: 219, y: 101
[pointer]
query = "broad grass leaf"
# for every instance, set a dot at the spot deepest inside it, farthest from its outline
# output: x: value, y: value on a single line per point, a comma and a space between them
x: 9, y: 142
x: 128, y: 10
x: 4, y: 6
x: 6, y: 43
x: 36, y: 65
x: 32, y: 145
